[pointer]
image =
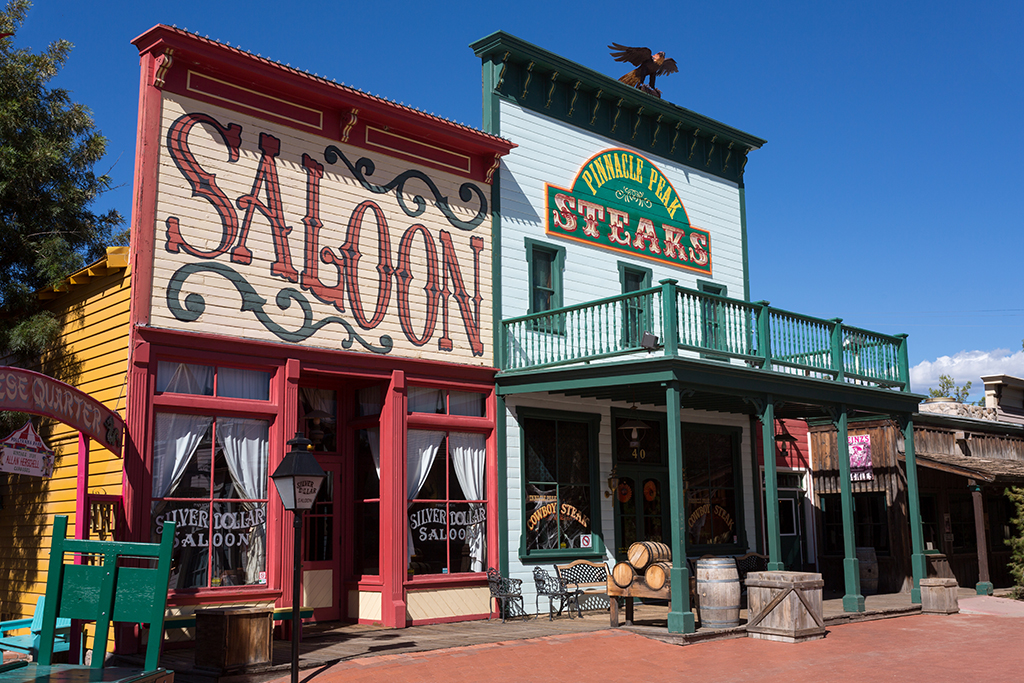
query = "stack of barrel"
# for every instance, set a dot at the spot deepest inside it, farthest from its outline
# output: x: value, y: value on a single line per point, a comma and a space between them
x: 648, y: 565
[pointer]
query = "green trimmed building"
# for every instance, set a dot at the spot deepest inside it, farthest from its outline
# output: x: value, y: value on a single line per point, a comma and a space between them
x: 634, y: 370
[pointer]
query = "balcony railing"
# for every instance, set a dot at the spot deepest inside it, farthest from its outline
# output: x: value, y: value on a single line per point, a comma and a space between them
x: 693, y: 324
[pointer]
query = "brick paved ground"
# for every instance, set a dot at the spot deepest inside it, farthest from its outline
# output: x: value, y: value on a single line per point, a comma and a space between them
x: 961, y: 647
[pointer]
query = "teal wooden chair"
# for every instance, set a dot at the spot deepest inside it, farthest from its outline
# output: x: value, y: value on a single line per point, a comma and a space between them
x: 29, y: 643
x: 107, y: 591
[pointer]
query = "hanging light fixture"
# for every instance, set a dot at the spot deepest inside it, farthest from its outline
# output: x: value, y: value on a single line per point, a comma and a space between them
x: 637, y: 428
x: 784, y: 440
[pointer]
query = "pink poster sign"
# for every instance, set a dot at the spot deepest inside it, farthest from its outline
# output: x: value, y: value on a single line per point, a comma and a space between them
x: 860, y: 457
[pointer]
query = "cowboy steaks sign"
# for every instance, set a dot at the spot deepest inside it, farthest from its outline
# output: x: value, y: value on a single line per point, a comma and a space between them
x: 621, y: 201
x: 271, y: 233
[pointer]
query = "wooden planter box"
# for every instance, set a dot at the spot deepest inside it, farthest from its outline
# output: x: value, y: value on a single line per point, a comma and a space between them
x: 234, y: 638
x: 939, y: 596
x: 785, y: 606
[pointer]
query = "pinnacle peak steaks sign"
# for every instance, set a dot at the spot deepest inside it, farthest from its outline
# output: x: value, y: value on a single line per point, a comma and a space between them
x: 621, y: 201
x: 265, y: 232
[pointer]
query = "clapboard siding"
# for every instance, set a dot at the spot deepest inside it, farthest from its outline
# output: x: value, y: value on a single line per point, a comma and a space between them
x: 94, y: 318
x: 340, y: 194
x: 551, y: 152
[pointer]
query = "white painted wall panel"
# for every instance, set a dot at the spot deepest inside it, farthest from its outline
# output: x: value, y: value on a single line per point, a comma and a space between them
x: 552, y: 152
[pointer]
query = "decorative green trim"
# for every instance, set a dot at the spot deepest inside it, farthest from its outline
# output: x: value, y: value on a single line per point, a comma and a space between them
x: 853, y: 599
x: 600, y: 104
x: 645, y: 275
x: 758, y: 493
x: 501, y: 439
x: 558, y: 267
x: 593, y: 422
x: 743, y: 242
x: 680, y: 615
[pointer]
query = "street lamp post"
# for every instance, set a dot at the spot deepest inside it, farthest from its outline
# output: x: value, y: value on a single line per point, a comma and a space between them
x: 298, y: 479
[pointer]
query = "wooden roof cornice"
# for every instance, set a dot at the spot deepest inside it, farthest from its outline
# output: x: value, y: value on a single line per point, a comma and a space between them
x: 554, y: 86
x: 176, y: 51
x: 986, y: 470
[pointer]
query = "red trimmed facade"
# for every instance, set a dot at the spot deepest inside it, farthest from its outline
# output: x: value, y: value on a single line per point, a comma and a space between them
x: 254, y: 248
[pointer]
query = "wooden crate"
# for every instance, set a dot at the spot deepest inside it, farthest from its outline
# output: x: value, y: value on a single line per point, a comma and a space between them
x: 234, y: 638
x: 785, y: 606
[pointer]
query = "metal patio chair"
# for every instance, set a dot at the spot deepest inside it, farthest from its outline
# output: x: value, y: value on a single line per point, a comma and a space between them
x: 554, y: 588
x: 508, y: 593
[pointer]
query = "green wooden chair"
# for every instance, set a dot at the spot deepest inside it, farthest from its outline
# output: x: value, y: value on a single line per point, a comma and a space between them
x: 107, y: 591
x: 29, y: 642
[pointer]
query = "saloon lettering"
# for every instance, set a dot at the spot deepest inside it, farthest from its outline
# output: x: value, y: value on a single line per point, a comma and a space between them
x: 621, y: 201
x: 317, y: 265
x: 229, y: 528
x: 462, y: 519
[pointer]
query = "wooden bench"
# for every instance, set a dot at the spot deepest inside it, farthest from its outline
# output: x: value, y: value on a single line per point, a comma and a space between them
x: 591, y: 578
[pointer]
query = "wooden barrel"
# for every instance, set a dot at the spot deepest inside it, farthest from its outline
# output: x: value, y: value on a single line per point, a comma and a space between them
x: 718, y: 584
x: 868, y: 562
x: 658, y: 575
x: 642, y: 554
x: 623, y: 574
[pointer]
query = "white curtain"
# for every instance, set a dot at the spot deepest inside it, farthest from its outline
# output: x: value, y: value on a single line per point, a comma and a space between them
x: 466, y: 403
x: 245, y: 451
x: 468, y: 453
x: 177, y: 437
x: 319, y: 399
x: 238, y: 383
x: 422, y: 449
x: 369, y: 401
x: 184, y: 378
x: 424, y: 400
x: 369, y: 404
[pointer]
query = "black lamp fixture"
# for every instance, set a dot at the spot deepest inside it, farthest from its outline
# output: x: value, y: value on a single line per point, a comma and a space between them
x: 613, y: 483
x: 636, y: 428
x: 784, y: 440
x: 649, y: 341
x: 298, y: 479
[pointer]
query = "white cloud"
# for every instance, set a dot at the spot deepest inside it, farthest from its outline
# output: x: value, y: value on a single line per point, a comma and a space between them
x: 966, y: 366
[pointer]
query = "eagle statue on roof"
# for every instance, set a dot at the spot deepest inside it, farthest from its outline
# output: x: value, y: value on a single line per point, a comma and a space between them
x: 646, y: 65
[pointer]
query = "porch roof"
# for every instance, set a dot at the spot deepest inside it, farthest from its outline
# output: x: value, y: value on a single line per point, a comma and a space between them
x: 709, y: 385
x: 1009, y: 472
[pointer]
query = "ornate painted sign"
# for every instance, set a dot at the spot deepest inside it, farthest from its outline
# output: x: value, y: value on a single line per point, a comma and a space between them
x: 270, y: 233
x: 23, y: 452
x: 30, y: 392
x: 621, y: 201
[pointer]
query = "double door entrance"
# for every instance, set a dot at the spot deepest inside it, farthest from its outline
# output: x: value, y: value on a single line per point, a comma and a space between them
x: 641, y: 496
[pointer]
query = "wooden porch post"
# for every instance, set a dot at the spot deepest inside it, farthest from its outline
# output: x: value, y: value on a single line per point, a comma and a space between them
x: 393, y: 505
x: 853, y: 600
x: 984, y: 585
x: 771, y: 486
x: 680, y: 616
x: 917, y: 559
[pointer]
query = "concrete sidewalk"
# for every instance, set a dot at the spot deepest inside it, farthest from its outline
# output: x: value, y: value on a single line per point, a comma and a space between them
x: 959, y: 647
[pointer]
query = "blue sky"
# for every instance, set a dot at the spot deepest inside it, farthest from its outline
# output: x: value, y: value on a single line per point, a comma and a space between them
x: 888, y: 193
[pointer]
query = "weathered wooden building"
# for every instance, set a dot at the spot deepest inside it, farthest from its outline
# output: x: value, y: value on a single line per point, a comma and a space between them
x: 966, y: 457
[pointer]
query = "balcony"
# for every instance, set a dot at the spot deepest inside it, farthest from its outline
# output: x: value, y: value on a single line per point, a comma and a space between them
x: 693, y: 325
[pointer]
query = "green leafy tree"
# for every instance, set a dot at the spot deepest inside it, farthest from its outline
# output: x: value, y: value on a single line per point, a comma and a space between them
x: 948, y: 388
x: 48, y: 228
x: 1016, y: 565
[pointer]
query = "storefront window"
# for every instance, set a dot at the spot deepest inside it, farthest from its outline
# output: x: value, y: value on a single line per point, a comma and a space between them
x: 207, y: 380
x: 710, y: 487
x: 558, y: 510
x: 444, y: 402
x: 318, y: 414
x: 210, y: 478
x: 447, y: 502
